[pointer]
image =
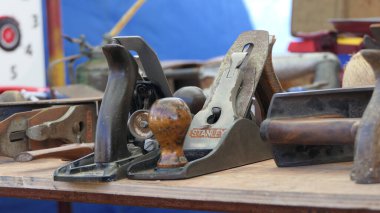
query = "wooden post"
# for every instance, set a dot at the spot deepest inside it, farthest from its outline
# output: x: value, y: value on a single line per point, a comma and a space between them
x: 57, y: 75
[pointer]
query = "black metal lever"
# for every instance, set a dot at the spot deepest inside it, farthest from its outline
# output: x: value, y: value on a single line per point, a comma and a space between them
x: 111, y: 130
x: 149, y: 59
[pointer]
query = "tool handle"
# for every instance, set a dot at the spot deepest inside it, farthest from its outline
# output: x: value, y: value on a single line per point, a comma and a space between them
x: 169, y: 119
x: 366, y: 167
x: 67, y: 152
x: 111, y: 130
x: 310, y: 131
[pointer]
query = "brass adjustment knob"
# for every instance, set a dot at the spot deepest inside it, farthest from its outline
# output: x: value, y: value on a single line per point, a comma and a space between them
x: 169, y: 119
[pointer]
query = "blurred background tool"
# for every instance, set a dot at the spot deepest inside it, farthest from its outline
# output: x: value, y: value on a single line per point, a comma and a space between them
x: 94, y: 71
x: 43, y: 125
x: 322, y: 70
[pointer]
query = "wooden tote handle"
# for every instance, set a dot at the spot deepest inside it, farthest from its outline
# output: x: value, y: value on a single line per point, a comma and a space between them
x: 310, y: 131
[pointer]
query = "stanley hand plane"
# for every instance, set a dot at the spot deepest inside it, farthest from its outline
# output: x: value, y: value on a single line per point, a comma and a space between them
x: 224, y: 133
x: 139, y: 111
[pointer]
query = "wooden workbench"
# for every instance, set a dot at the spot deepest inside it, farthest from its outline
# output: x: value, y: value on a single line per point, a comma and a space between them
x: 259, y: 187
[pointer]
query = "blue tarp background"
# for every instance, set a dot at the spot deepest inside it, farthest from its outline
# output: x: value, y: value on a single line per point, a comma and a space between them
x: 186, y: 29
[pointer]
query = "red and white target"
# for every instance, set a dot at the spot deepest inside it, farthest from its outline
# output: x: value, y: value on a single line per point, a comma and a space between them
x: 22, y: 51
x: 10, y: 35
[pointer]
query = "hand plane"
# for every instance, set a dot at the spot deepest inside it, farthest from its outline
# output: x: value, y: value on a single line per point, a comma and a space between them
x: 223, y: 134
x: 121, y: 131
x: 47, y: 126
x: 300, y: 115
x: 322, y: 126
x: 314, y: 127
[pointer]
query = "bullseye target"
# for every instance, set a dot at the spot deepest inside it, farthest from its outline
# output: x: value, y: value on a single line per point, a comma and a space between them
x: 10, y: 35
x: 22, y: 49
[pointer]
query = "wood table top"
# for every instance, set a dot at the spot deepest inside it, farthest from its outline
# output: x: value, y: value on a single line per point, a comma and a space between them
x: 252, y: 187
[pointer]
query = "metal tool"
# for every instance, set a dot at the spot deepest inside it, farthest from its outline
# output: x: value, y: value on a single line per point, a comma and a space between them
x: 319, y: 69
x: 45, y: 124
x: 126, y: 93
x: 314, y: 127
x: 222, y: 135
x: 76, y: 125
x: 138, y: 125
x: 9, y: 108
x: 93, y: 71
x: 322, y: 126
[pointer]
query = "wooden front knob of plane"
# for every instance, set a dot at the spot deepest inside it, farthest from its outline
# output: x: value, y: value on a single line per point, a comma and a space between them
x: 169, y: 119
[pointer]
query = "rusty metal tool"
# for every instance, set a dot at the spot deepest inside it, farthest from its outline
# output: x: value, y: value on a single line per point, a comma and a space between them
x: 12, y: 138
x: 76, y: 125
x: 314, y: 127
x: 322, y: 127
x: 319, y: 69
x: 47, y: 128
x: 231, y: 94
x: 222, y: 134
x: 9, y: 108
x: 127, y: 97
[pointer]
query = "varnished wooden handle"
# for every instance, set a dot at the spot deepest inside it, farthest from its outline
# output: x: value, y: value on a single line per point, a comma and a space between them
x: 310, y: 131
x: 169, y: 119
